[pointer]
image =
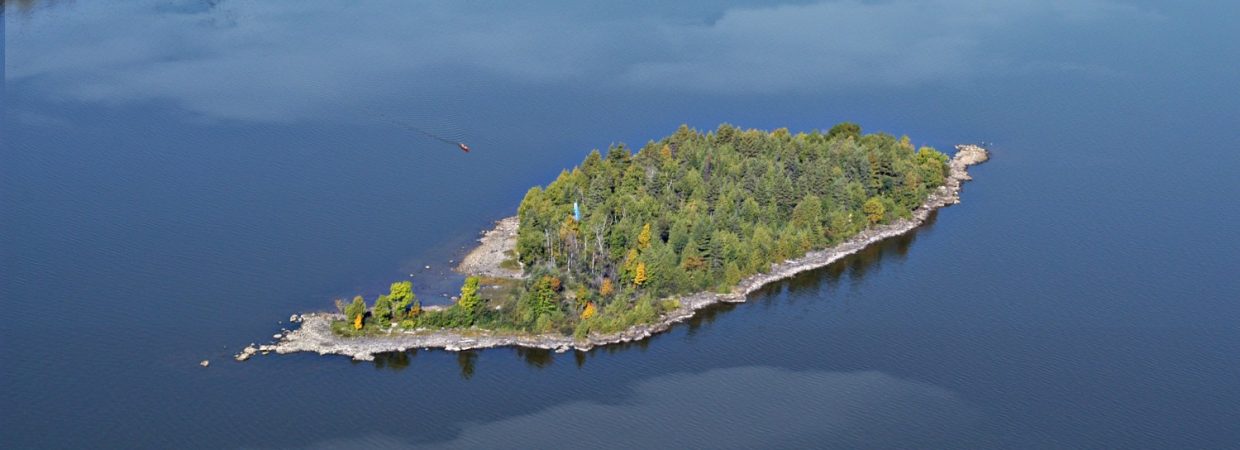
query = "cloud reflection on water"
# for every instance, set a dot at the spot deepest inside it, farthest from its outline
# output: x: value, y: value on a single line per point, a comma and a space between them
x: 278, y: 62
x: 744, y: 407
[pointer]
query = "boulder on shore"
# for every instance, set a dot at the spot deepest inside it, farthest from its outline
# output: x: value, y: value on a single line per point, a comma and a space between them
x: 246, y: 353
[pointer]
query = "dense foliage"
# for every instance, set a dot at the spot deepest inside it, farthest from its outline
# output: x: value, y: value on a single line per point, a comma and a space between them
x: 692, y: 212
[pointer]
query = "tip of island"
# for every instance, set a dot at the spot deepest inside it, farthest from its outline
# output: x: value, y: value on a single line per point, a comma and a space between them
x: 628, y: 244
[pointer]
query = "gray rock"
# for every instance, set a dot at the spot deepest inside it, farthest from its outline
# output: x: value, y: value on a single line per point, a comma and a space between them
x: 246, y: 353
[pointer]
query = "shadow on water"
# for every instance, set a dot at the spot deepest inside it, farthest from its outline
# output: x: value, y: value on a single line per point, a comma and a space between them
x: 855, y: 266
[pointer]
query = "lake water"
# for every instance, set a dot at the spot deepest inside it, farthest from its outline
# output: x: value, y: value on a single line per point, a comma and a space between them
x: 178, y: 176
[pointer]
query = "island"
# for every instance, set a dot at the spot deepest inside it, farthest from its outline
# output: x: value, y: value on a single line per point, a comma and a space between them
x: 627, y: 244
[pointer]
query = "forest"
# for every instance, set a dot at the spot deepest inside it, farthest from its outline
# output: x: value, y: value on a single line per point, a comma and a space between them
x: 612, y: 242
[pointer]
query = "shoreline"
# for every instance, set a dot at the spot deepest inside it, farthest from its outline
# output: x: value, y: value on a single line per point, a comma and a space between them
x: 315, y: 334
x: 488, y: 257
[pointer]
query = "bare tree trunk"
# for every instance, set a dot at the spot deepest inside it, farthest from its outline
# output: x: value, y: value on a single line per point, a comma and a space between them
x: 599, y: 233
x: 550, y: 246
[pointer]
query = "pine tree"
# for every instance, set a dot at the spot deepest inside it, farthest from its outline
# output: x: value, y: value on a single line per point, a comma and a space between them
x: 382, y: 311
x: 691, y: 258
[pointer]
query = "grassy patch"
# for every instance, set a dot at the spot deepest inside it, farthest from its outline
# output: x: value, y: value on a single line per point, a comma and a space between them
x: 345, y: 329
x: 494, y: 288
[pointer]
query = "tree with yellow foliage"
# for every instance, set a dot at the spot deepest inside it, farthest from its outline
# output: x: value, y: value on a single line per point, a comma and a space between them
x: 582, y: 296
x: 906, y: 143
x: 606, y: 289
x: 630, y: 263
x: 874, y: 209
x: 643, y: 238
x: 589, y: 311
x: 639, y: 278
x: 357, y: 322
x: 469, y: 301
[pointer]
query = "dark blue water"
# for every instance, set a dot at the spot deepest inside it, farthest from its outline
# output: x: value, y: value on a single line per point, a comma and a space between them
x: 178, y: 176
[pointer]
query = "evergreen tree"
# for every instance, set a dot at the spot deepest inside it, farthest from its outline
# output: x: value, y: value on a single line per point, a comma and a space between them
x: 382, y: 311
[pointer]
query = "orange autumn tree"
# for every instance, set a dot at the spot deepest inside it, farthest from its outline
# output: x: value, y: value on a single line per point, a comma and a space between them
x: 606, y: 289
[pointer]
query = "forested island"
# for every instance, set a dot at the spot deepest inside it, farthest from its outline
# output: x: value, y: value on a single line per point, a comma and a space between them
x: 626, y: 243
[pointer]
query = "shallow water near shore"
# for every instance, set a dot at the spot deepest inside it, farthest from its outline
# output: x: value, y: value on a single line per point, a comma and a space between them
x: 178, y: 177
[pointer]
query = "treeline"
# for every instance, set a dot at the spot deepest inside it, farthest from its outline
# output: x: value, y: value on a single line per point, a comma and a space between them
x: 695, y: 211
x: 400, y: 307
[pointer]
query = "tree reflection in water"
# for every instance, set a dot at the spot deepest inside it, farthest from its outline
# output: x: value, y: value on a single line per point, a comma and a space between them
x: 395, y: 361
x: 467, y: 359
x: 536, y: 357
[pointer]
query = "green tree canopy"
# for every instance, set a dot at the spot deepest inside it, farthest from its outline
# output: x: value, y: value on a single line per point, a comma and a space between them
x: 469, y: 302
x: 401, y: 296
x: 355, y: 309
x: 382, y: 311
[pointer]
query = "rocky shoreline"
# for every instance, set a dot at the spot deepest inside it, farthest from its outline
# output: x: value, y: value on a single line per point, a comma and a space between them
x: 493, y: 249
x: 315, y: 334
